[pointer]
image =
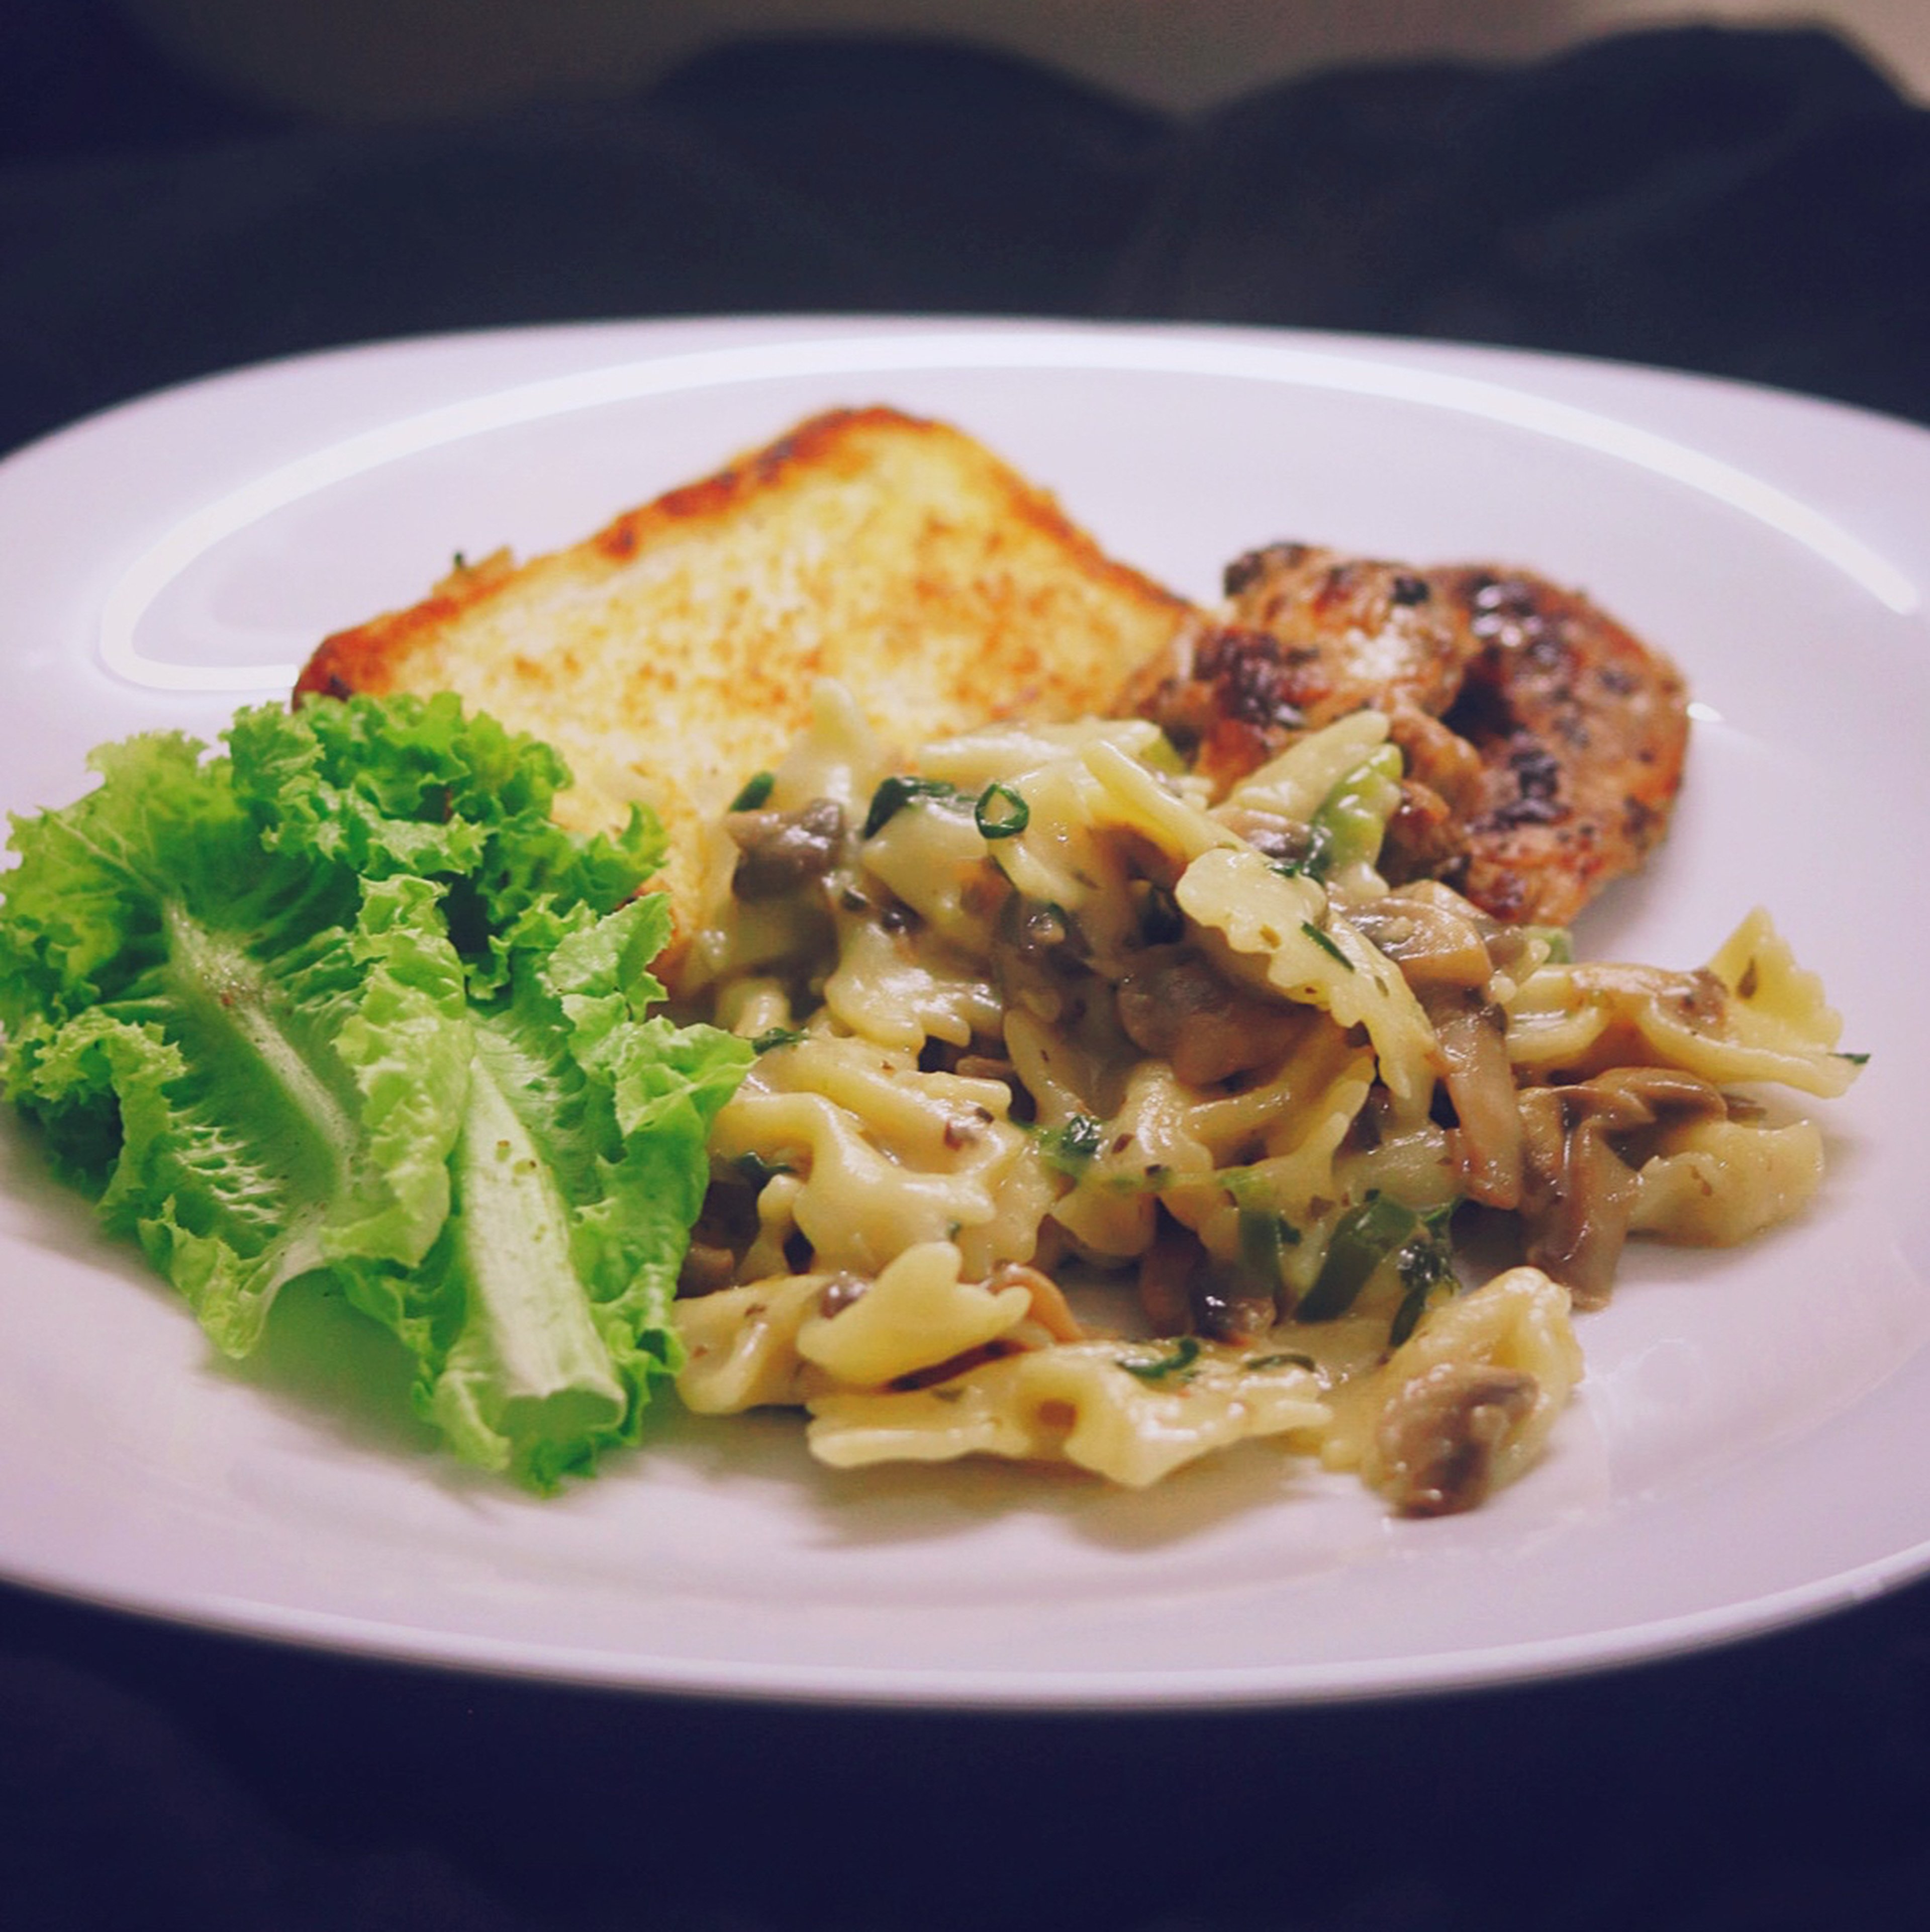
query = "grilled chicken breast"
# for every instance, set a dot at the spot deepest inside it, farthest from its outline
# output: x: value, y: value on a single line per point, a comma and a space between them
x: 1544, y: 743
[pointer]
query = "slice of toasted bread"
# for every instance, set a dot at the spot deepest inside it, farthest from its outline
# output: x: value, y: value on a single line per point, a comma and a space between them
x: 671, y: 656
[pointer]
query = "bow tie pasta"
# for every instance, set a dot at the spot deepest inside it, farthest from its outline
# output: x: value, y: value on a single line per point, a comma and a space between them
x: 1095, y: 1122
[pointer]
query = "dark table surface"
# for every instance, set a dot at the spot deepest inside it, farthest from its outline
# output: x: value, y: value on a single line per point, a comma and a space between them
x: 1755, y: 205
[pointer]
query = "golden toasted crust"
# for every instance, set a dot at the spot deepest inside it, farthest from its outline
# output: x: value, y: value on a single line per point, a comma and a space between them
x: 673, y: 655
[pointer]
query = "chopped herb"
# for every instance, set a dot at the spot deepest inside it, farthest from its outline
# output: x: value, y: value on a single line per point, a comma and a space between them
x: 1352, y: 820
x: 1264, y: 1236
x: 756, y: 1169
x: 459, y: 562
x: 756, y: 793
x: 1408, y: 1316
x: 1424, y: 1261
x: 896, y: 792
x: 1363, y: 1238
x: 1163, y: 756
x: 1176, y: 1366
x: 1247, y: 1187
x: 1325, y: 943
x: 1073, y: 1148
x: 1289, y: 1358
x: 771, y: 1038
x: 1855, y: 1059
x: 1291, y: 868
x: 1001, y: 813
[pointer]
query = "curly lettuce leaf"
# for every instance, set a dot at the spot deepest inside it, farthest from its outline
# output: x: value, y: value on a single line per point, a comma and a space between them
x: 278, y: 1110
x: 412, y: 785
x: 540, y: 1319
x: 345, y: 1000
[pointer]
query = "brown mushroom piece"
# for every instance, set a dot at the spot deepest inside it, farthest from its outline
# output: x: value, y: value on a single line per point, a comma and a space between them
x: 1226, y: 1307
x: 1438, y: 942
x: 779, y: 851
x: 1579, y: 1190
x: 1439, y: 1436
x: 1480, y: 1080
x: 1038, y: 952
x: 1175, y: 1006
x: 1166, y: 1270
x: 1433, y: 944
x: 1049, y: 1309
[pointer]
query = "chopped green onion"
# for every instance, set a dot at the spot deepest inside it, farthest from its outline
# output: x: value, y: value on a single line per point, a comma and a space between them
x: 756, y: 792
x: 1000, y: 812
x: 895, y: 793
x: 1351, y: 819
x: 1855, y: 1059
x: 1185, y: 1353
x: 1408, y: 1316
x: 1073, y: 1148
x: 1263, y: 1237
x: 1289, y: 1358
x: 771, y: 1038
x: 1424, y: 1261
x: 1363, y: 1238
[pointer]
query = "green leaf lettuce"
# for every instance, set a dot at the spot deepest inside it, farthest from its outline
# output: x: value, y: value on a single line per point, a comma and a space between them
x: 346, y: 1001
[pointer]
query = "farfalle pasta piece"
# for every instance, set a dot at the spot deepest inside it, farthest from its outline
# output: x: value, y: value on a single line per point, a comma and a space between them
x: 887, y: 1156
x: 1713, y: 1184
x: 1751, y: 1015
x: 916, y: 1315
x: 1311, y: 955
x: 897, y: 996
x: 1132, y: 1413
x: 740, y: 1345
x: 1465, y: 1404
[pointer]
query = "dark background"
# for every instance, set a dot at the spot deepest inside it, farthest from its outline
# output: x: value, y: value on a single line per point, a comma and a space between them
x: 1751, y: 205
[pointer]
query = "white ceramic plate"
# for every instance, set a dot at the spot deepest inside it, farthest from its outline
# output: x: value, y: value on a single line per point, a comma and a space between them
x: 1749, y: 1445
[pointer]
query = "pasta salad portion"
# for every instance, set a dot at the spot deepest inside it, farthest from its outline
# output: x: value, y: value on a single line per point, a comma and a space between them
x: 1095, y: 1118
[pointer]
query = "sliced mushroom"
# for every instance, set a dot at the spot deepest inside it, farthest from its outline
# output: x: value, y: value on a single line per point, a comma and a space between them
x: 1578, y: 1191
x: 1037, y: 950
x: 1480, y: 1083
x: 1439, y: 1435
x: 1426, y: 936
x: 779, y: 851
x: 705, y: 1268
x: 1227, y: 1308
x: 1175, y: 1006
x: 1050, y: 1308
x: 1166, y: 1272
